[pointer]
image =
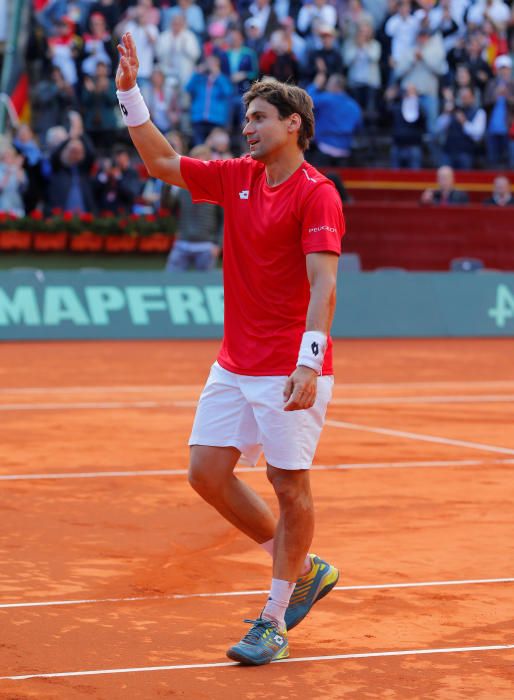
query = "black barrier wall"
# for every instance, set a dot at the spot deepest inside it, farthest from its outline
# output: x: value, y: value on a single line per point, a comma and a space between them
x: 94, y: 305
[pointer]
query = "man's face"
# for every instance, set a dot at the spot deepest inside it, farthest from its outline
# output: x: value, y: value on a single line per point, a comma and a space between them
x: 328, y: 40
x: 264, y: 131
x: 177, y: 24
x: 445, y: 178
x: 467, y: 98
x: 501, y: 186
x: 75, y: 152
x: 122, y: 160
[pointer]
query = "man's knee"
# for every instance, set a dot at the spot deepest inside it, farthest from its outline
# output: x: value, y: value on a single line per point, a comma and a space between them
x: 199, y: 476
x: 209, y: 467
x: 291, y: 486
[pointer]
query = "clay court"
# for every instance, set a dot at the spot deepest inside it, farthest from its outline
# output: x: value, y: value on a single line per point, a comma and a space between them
x: 118, y: 582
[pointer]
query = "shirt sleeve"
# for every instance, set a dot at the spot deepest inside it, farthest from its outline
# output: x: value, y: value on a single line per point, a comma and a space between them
x: 323, y: 223
x: 204, y: 179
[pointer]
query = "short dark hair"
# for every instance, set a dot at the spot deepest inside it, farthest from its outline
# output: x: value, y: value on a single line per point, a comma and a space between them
x: 288, y: 99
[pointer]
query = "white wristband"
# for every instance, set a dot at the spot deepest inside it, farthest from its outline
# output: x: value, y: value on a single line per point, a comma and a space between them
x: 312, y: 350
x: 133, y: 107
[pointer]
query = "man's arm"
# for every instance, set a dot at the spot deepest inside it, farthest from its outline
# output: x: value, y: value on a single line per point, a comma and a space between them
x: 160, y: 159
x: 301, y: 385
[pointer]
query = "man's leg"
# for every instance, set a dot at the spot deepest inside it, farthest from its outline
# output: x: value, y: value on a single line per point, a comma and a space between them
x: 177, y: 259
x: 295, y: 527
x: 211, y: 474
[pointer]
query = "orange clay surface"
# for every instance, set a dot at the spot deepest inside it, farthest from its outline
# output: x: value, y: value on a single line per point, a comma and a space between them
x: 415, y: 486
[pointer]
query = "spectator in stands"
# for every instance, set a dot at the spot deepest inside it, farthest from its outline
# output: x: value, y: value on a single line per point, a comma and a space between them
x: 244, y: 69
x: 338, y: 116
x: 219, y: 143
x: 423, y: 65
x: 164, y: 102
x: 64, y: 48
x: 52, y: 100
x: 13, y: 181
x: 109, y: 9
x: 37, y: 54
x: 462, y: 78
x: 211, y: 99
x: 278, y: 61
x: 297, y: 43
x: 70, y: 187
x: 352, y: 18
x: 262, y: 12
x: 50, y: 13
x: 217, y: 44
x: 474, y: 59
x: 177, y: 51
x: 314, y: 14
x: 326, y: 59
x: 402, y: 28
x: 140, y: 22
x: 444, y: 18
x: 499, y: 101
x: 377, y: 9
x: 502, y: 193
x: 496, y: 11
x: 446, y: 192
x: 255, y: 39
x: 362, y: 60
x: 408, y: 127
x: 98, y: 47
x: 199, y: 235
x: 224, y: 13
x: 462, y: 125
x: 26, y: 144
x: 117, y: 185
x: 193, y: 15
x: 99, y: 102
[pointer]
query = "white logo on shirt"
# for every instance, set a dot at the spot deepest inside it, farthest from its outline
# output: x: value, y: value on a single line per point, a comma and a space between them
x: 311, y: 179
x: 317, y: 229
x: 244, y: 194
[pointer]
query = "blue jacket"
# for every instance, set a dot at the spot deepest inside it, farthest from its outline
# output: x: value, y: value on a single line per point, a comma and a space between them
x: 337, y: 115
x: 210, y: 102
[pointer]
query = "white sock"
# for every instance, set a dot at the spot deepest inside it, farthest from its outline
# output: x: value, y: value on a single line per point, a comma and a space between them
x: 268, y: 547
x: 279, y: 596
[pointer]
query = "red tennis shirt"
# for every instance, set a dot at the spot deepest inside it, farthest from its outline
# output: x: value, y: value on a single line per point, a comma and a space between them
x: 268, y: 232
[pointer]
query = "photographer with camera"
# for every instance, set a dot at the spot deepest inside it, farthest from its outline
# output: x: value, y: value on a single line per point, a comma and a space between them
x: 462, y: 126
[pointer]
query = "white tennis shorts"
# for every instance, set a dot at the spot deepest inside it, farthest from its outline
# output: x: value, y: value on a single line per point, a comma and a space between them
x: 247, y: 413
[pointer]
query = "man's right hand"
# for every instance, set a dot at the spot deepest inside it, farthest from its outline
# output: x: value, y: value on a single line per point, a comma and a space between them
x: 128, y: 66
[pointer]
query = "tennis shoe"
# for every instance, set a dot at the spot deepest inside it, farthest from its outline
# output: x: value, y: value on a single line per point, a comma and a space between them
x: 264, y: 643
x: 311, y: 587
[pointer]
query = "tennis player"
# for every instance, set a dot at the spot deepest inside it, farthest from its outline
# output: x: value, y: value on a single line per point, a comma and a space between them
x: 272, y: 381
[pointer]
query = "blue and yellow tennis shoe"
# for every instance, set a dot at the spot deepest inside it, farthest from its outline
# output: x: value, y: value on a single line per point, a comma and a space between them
x: 311, y: 587
x: 261, y: 645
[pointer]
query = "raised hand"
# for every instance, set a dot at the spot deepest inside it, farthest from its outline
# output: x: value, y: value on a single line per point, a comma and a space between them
x: 128, y: 66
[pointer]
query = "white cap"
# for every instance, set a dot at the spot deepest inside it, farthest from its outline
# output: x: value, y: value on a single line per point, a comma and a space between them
x: 503, y: 62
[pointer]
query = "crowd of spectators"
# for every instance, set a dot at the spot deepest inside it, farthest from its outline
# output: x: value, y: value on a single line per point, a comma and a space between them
x: 420, y: 84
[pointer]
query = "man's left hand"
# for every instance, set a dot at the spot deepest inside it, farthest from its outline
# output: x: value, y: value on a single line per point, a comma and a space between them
x: 300, y: 389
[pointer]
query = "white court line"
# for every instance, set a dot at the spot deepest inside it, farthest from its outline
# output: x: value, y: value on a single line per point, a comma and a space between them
x: 468, y: 398
x: 422, y: 464
x: 233, y: 594
x: 366, y: 401
x: 420, y: 436
x: 81, y: 405
x: 301, y: 659
x: 128, y: 389
x: 170, y: 388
